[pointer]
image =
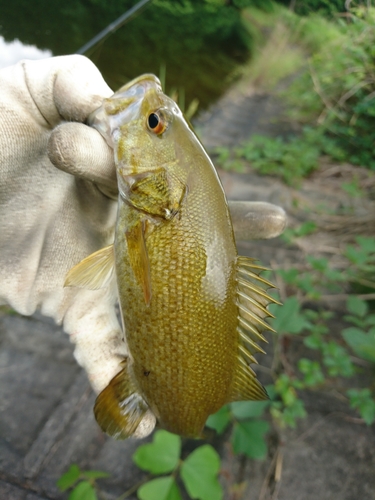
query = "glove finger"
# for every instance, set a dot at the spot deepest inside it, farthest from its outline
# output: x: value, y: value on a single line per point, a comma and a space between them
x: 79, y: 89
x: 81, y: 151
x: 256, y: 220
x: 65, y: 87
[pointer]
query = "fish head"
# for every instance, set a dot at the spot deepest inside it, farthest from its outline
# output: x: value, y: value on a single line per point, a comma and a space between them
x: 147, y: 131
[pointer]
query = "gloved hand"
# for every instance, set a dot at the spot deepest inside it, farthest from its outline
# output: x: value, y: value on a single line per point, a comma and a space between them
x: 52, y: 218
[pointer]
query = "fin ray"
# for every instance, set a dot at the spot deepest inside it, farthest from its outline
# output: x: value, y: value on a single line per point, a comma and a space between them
x: 93, y: 272
x: 254, y: 347
x: 138, y: 256
x: 250, y: 329
x: 119, y: 408
x: 256, y: 277
x: 256, y: 318
x: 257, y: 290
x: 252, y: 303
x: 246, y: 386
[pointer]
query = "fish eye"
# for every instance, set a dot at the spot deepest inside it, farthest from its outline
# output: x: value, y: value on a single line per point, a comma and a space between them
x: 156, y: 123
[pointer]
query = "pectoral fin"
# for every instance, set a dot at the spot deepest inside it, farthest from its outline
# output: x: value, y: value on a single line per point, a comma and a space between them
x: 94, y: 271
x: 138, y: 256
x: 252, y: 302
x: 156, y: 193
x: 119, y: 408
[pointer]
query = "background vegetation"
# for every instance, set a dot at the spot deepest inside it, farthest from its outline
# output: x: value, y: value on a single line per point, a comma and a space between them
x: 199, y: 42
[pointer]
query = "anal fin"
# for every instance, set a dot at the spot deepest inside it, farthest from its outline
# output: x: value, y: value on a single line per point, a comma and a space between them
x: 119, y: 408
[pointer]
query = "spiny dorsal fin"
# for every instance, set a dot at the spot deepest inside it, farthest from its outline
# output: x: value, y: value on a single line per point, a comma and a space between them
x: 246, y: 386
x: 119, y: 408
x: 93, y: 272
x: 252, y: 301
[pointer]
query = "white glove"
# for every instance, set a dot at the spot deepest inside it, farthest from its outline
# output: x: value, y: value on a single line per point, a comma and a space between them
x: 52, y: 218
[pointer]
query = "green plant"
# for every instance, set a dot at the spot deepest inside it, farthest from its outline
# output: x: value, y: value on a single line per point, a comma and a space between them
x: 226, y: 160
x: 331, y: 357
x: 338, y: 88
x: 291, y: 159
x: 363, y: 401
x: 328, y: 7
x: 83, y: 483
x: 248, y: 430
x: 361, y: 256
x: 361, y: 336
x: 304, y: 229
x: 198, y: 471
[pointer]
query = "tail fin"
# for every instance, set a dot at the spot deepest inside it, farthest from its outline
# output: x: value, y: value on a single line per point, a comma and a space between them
x: 120, y: 409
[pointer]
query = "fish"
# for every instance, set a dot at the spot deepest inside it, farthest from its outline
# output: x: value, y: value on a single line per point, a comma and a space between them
x: 193, y: 311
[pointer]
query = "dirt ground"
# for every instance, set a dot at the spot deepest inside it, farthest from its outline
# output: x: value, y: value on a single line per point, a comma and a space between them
x: 46, y: 419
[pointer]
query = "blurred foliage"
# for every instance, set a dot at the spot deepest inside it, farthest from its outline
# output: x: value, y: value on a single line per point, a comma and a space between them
x: 337, y: 90
x: 201, y: 43
x: 324, y: 7
x: 291, y: 158
x: 329, y: 67
x: 83, y: 484
x: 248, y: 429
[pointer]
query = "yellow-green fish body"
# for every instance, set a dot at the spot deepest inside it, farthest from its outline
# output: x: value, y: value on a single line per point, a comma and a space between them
x: 192, y: 309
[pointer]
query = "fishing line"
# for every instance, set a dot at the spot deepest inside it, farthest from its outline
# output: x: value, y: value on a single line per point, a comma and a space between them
x: 112, y: 27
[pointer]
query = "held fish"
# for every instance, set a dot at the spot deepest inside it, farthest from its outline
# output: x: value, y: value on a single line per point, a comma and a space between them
x: 193, y: 310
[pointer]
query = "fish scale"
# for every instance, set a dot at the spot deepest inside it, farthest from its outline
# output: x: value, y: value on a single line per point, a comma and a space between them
x: 193, y: 310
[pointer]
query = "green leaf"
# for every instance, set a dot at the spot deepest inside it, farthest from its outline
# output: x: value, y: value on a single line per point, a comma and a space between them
x: 357, y: 306
x: 361, y: 399
x: 362, y: 343
x: 313, y: 341
x: 247, y: 409
x: 248, y: 438
x: 289, y: 318
x: 220, y: 420
x: 162, y: 488
x: 367, y: 243
x: 320, y: 264
x: 289, y: 275
x: 352, y: 188
x: 69, y: 478
x: 337, y: 360
x: 288, y: 415
x: 95, y: 474
x: 306, y: 228
x: 160, y: 456
x: 83, y: 491
x: 199, y: 474
x: 313, y: 374
x: 271, y: 391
